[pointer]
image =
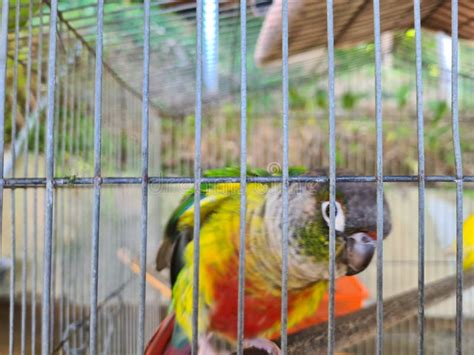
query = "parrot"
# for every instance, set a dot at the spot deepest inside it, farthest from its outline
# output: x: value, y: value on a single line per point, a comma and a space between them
x: 308, y: 257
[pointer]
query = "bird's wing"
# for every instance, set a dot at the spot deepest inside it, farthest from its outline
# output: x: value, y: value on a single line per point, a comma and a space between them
x: 178, y: 230
x: 179, y: 226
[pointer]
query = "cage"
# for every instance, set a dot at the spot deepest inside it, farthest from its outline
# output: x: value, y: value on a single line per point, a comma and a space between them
x: 111, y: 110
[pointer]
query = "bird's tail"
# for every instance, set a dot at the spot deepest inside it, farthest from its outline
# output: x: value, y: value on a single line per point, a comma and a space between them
x: 167, y: 339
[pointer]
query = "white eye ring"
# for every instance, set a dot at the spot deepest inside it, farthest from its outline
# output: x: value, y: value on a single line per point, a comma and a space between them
x: 340, y: 218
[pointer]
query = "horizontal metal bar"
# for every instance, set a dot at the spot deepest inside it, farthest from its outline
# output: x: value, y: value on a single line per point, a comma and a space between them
x: 157, y: 180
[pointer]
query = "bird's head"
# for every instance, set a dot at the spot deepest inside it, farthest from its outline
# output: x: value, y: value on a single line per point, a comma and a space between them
x: 355, y: 222
x: 355, y: 225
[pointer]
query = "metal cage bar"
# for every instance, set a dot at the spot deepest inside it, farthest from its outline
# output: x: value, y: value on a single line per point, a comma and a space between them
x: 97, y: 178
x: 14, y: 112
x: 379, y: 180
x: 197, y: 175
x: 459, y: 173
x: 48, y: 232
x: 34, y: 275
x: 421, y: 179
x: 332, y: 175
x: 284, y: 181
x: 3, y: 72
x: 243, y: 175
x: 145, y: 159
x: 15, y: 183
x: 25, y: 193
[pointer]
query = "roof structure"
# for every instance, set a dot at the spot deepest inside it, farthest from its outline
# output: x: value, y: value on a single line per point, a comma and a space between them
x: 353, y: 23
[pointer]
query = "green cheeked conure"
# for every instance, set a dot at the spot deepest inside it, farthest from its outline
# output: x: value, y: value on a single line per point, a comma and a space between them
x: 308, y: 257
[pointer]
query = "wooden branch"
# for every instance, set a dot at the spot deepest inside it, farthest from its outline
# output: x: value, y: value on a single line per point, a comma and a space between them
x: 124, y: 256
x: 359, y: 326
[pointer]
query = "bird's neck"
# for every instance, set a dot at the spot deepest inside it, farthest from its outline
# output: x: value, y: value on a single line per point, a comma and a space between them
x: 264, y: 242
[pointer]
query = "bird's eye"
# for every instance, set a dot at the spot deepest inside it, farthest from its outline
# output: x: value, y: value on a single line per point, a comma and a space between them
x: 338, y: 213
x: 328, y: 210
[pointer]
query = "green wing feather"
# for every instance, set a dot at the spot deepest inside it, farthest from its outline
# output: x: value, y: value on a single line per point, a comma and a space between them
x: 234, y: 171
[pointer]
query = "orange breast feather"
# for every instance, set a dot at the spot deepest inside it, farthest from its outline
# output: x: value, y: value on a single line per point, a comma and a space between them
x: 349, y: 296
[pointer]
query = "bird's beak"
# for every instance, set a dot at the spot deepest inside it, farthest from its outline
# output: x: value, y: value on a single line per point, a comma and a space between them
x: 358, y: 252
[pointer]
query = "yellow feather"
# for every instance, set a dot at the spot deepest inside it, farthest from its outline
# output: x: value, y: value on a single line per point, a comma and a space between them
x: 468, y: 242
x: 219, y: 240
x: 305, y: 307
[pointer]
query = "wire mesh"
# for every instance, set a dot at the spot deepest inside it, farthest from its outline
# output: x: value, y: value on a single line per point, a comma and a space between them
x: 100, y: 112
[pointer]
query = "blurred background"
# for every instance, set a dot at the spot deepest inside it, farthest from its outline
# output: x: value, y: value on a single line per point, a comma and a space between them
x: 172, y: 95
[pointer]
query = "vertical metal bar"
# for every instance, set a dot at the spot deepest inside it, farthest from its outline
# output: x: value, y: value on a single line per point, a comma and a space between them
x: 120, y: 133
x: 74, y: 300
x: 72, y: 110
x: 90, y: 141
x: 70, y: 259
x: 106, y: 121
x: 83, y: 117
x: 421, y: 180
x: 97, y: 178
x: 145, y: 137
x: 82, y: 102
x: 13, y: 159
x: 285, y: 183
x: 459, y: 174
x: 61, y: 225
x: 34, y: 275
x: 15, y: 105
x: 197, y: 175
x: 25, y: 191
x: 379, y: 174
x: 3, y: 79
x: 48, y: 232
x: 54, y: 268
x: 64, y: 105
x: 332, y: 174
x: 243, y: 173
x: 13, y: 155
x: 59, y: 213
x: 75, y: 105
x: 59, y: 89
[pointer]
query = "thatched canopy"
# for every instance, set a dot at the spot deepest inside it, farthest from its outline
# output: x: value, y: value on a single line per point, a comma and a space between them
x: 353, y: 23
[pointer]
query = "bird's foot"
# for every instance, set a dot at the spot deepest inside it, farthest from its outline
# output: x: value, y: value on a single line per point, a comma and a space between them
x: 263, y: 344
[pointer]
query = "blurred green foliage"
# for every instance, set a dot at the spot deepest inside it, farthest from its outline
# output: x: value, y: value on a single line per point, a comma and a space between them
x: 349, y: 99
x: 402, y: 95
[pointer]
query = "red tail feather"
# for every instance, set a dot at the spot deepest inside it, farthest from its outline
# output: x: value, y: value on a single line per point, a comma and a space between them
x: 160, y: 343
